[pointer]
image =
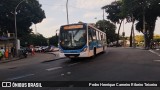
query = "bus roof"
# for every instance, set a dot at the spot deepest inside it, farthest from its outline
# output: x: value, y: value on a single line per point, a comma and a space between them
x: 81, y: 23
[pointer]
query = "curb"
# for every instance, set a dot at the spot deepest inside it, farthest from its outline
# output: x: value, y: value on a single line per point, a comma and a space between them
x: 5, y: 61
x: 154, y: 52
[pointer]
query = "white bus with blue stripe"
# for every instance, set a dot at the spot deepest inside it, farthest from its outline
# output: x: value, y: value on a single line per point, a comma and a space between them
x: 81, y: 40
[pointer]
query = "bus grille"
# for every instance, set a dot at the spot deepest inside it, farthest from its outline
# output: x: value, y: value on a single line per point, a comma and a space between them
x: 75, y: 55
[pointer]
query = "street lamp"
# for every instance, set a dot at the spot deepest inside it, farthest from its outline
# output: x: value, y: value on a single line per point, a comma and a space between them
x: 15, y: 18
x: 103, y: 21
x: 57, y: 36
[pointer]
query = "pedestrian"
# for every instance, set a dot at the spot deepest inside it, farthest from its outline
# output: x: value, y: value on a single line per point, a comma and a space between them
x: 152, y: 44
x: 1, y: 55
x: 6, y: 53
x: 33, y: 52
x: 13, y: 51
x: 2, y: 52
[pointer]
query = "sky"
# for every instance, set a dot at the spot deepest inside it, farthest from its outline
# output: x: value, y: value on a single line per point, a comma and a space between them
x: 88, y: 11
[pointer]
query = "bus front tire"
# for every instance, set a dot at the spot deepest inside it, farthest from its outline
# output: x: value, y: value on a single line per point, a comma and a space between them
x: 94, y: 52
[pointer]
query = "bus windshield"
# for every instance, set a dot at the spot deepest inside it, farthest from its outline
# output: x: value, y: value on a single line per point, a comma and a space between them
x: 73, y: 39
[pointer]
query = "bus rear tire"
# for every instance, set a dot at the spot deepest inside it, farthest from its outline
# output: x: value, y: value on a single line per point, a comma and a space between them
x: 94, y: 53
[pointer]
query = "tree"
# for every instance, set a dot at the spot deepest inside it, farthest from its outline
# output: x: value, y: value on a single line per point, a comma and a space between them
x: 27, y: 13
x: 115, y: 14
x: 34, y: 39
x: 139, y: 38
x: 54, y: 40
x: 157, y: 38
x: 143, y: 10
x: 109, y: 29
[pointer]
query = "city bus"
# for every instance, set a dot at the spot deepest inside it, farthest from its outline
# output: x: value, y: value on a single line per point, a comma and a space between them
x: 81, y: 40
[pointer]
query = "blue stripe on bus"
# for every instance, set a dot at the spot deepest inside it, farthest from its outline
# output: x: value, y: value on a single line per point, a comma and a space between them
x: 95, y: 44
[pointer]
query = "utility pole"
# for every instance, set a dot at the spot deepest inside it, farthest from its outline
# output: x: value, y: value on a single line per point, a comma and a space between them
x: 144, y: 26
x: 57, y: 36
x: 15, y: 19
x: 67, y: 12
x: 123, y: 34
x: 103, y: 21
x: 36, y: 29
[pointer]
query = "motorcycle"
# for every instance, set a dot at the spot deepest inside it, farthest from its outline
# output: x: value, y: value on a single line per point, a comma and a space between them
x: 23, y: 53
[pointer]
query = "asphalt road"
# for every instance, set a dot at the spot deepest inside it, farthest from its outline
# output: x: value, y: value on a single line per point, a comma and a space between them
x: 116, y: 64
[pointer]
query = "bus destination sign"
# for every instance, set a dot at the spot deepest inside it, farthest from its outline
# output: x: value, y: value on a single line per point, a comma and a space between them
x: 72, y: 27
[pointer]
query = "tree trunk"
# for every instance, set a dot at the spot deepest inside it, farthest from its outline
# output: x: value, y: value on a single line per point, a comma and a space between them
x: 151, y: 33
x: 131, y: 37
x: 118, y: 33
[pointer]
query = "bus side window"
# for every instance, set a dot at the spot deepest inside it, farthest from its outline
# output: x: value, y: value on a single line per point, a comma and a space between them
x: 94, y: 35
x: 97, y: 35
x: 90, y: 35
x: 102, y: 36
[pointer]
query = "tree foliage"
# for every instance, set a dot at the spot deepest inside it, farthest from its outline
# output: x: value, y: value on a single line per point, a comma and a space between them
x: 114, y: 11
x: 140, y: 8
x: 139, y: 38
x: 54, y: 40
x: 26, y: 13
x: 115, y: 14
x: 34, y: 39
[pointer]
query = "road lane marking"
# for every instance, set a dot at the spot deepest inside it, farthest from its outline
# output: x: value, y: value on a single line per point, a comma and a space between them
x: 68, y: 73
x: 55, y: 68
x: 19, y: 77
x: 154, y: 52
x: 62, y: 74
x: 156, y: 60
x: 73, y: 64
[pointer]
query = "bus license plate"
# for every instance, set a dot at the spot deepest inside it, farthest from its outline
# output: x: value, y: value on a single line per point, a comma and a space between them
x: 71, y: 56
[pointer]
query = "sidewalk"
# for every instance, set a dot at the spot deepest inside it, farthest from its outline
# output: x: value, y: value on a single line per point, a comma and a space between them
x: 56, y: 57
x: 155, y: 50
x: 4, y: 60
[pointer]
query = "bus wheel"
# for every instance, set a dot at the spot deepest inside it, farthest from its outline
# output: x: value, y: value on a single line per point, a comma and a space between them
x: 94, y: 52
x: 103, y: 49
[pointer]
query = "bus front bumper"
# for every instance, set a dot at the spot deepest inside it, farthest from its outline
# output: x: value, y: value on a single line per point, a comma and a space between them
x: 72, y: 55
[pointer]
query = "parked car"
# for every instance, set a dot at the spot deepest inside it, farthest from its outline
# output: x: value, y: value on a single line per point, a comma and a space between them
x: 44, y: 48
x: 37, y: 49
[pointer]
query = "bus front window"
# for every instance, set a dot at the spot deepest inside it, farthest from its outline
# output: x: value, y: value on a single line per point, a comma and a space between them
x: 73, y: 39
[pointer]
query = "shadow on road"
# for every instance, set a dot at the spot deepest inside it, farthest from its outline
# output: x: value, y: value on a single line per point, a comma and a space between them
x: 82, y: 60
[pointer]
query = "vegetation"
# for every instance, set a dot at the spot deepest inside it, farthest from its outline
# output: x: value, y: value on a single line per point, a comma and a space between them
x: 115, y: 14
x: 54, y: 40
x: 34, y: 39
x: 143, y: 11
x: 27, y: 13
x: 140, y: 10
